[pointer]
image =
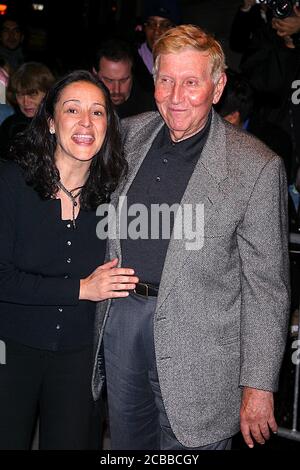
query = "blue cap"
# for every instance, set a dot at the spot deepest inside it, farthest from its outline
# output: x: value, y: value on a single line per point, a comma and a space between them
x: 165, y: 9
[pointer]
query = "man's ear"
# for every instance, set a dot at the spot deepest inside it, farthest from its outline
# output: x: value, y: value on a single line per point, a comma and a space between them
x: 94, y: 71
x: 219, y: 87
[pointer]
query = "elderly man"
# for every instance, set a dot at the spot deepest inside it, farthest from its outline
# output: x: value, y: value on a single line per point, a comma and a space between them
x: 194, y: 353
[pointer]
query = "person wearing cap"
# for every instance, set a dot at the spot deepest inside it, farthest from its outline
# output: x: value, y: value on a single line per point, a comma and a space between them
x: 157, y: 22
x: 158, y: 19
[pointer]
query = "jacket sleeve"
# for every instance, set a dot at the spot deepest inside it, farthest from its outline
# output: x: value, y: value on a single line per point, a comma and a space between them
x: 266, y: 64
x: 243, y: 26
x: 21, y: 287
x: 263, y: 246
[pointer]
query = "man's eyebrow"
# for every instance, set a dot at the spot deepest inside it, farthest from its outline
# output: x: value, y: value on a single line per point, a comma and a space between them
x: 115, y: 79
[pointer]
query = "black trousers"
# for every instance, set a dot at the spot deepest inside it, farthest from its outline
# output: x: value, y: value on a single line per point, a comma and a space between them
x: 137, y: 416
x: 54, y: 385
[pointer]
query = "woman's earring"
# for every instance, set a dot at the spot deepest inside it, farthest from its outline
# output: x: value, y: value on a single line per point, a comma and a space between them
x: 51, y: 130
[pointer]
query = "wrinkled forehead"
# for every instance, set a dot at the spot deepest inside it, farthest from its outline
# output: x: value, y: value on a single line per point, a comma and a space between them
x: 184, y: 59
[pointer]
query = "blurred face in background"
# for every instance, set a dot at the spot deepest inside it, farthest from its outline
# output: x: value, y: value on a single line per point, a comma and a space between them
x: 117, y: 76
x: 29, y: 101
x: 11, y: 35
x: 155, y: 26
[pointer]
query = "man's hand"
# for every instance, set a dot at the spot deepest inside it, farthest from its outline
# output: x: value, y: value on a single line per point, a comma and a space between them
x: 289, y: 25
x: 257, y: 415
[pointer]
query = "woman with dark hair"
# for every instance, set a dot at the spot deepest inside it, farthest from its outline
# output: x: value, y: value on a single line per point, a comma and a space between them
x: 66, y: 163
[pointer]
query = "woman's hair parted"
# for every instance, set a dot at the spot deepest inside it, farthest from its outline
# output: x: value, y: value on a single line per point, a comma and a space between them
x: 34, y: 149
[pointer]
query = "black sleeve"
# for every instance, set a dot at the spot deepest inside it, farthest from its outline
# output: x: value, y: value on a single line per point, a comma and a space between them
x: 142, y: 74
x: 22, y: 287
x: 264, y: 63
x: 243, y: 26
x: 4, y: 138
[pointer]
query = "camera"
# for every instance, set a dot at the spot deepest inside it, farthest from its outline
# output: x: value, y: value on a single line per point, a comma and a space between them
x: 280, y: 8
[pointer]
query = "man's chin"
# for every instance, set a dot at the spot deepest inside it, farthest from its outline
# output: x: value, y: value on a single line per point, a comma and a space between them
x: 118, y: 101
x: 12, y: 47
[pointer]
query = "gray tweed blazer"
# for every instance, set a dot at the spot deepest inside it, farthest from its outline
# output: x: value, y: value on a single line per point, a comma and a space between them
x: 222, y: 311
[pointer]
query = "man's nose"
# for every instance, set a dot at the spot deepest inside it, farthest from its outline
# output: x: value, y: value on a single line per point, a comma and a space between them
x: 116, y: 87
x: 177, y: 93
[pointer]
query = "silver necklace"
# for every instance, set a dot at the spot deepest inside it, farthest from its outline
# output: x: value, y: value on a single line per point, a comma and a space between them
x: 73, y: 198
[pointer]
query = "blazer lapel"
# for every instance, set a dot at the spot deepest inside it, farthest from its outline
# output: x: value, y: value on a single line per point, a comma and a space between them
x: 203, y: 188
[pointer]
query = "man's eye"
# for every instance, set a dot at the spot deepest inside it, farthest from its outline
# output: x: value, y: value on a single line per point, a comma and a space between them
x: 192, y: 83
x: 165, y: 80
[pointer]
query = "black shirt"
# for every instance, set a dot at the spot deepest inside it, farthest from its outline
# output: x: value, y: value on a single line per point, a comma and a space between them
x: 162, y: 178
x: 42, y: 259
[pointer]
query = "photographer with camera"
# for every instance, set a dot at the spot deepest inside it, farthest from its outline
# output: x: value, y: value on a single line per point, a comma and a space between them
x: 289, y: 26
x: 272, y: 65
x: 249, y: 18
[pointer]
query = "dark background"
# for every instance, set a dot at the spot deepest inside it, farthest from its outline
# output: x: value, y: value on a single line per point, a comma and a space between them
x: 65, y: 34
x: 66, y: 31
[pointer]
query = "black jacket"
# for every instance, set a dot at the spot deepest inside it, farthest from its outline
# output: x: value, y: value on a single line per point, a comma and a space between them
x: 42, y: 259
x: 9, y: 128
